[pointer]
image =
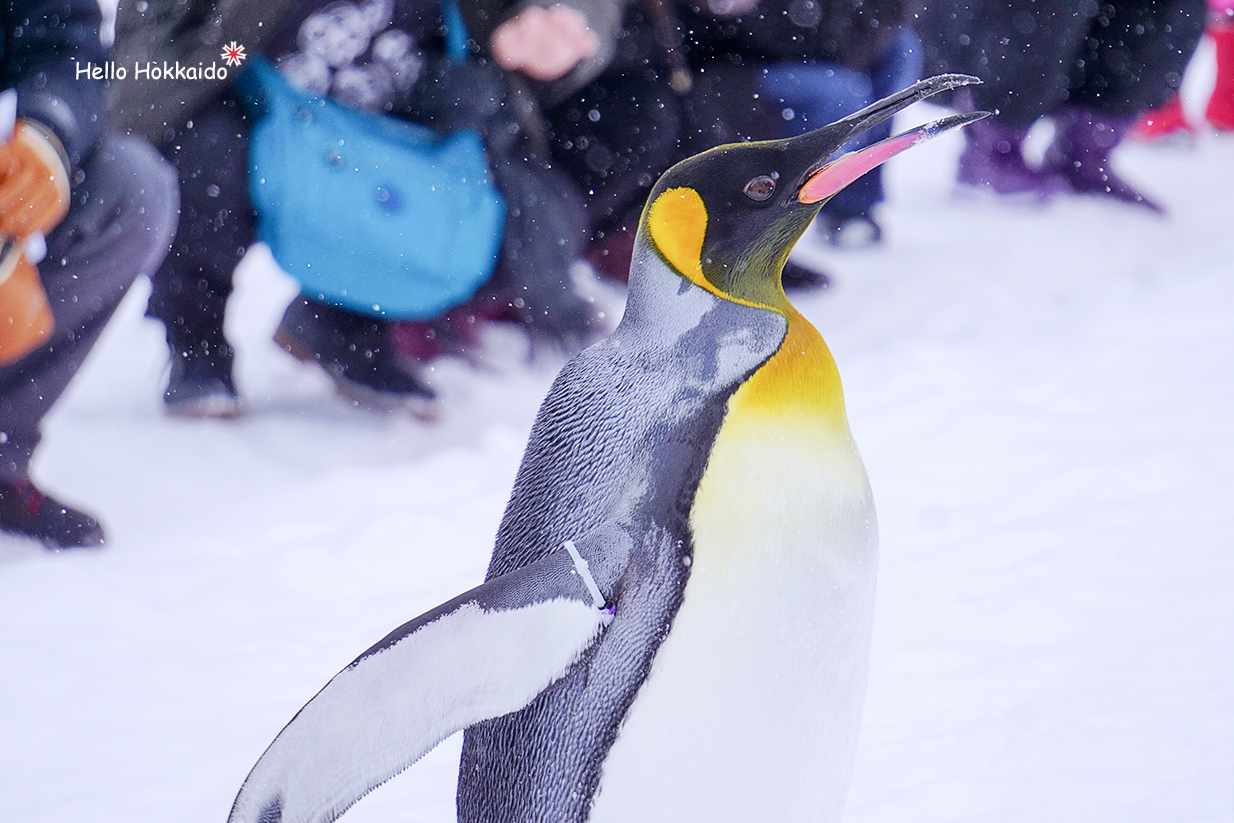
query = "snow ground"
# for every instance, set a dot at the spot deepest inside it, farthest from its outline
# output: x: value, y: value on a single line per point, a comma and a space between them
x: 1044, y: 402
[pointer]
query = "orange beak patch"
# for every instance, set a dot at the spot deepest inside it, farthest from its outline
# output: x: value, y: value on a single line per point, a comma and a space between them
x: 843, y: 170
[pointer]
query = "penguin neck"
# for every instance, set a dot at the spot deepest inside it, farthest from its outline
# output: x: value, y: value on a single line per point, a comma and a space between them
x: 799, y: 381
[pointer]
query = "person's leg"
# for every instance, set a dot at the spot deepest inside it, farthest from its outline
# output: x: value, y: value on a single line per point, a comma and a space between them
x: 118, y: 227
x: 811, y: 95
x: 216, y: 227
x: 901, y: 66
x: 1021, y: 50
x: 1220, y: 109
x: 898, y: 69
x: 848, y: 217
x: 1133, y: 60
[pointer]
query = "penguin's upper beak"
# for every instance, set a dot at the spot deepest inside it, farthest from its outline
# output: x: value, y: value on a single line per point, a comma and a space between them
x: 823, y: 178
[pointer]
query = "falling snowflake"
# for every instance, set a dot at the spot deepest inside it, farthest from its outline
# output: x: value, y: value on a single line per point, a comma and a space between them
x: 233, y: 54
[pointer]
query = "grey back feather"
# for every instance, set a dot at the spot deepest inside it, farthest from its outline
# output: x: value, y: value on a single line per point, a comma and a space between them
x: 613, y: 462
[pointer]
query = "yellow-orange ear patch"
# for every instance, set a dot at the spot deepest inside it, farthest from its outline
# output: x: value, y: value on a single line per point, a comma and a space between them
x: 677, y: 223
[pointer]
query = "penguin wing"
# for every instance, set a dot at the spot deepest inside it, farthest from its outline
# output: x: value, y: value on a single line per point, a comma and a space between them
x: 486, y: 653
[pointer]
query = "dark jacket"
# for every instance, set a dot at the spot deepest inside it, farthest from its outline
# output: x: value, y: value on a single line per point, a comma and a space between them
x: 44, y: 43
x: 193, y: 32
x: 1120, y: 57
x: 854, y: 33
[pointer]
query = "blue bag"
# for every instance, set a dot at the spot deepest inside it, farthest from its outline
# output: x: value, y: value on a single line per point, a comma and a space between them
x: 366, y: 211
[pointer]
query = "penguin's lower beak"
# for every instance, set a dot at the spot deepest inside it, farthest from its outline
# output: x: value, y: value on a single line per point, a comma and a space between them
x: 827, y: 178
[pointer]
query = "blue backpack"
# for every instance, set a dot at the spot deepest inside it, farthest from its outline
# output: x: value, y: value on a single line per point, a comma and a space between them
x: 366, y: 211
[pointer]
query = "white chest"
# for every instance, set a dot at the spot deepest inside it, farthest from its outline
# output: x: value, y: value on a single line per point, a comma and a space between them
x: 753, y: 704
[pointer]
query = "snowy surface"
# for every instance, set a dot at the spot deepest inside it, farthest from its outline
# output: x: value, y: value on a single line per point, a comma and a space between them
x: 1045, y: 402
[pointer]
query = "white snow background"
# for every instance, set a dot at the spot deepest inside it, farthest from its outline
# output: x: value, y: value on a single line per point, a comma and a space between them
x: 1044, y: 402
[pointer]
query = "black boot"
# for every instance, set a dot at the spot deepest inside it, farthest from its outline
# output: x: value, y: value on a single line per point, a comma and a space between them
x: 201, y: 383
x: 855, y: 230
x: 1084, y: 139
x: 797, y: 278
x: 357, y: 353
x: 28, y: 512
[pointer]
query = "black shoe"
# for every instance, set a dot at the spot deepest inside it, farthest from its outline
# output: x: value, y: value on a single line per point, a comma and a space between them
x: 849, y: 231
x: 28, y: 512
x: 200, y: 384
x: 797, y: 278
x: 356, y: 352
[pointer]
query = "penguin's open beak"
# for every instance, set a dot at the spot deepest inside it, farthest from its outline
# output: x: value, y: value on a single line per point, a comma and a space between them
x: 826, y: 178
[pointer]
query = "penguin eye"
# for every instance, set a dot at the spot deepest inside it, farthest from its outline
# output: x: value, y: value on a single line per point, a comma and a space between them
x: 761, y: 187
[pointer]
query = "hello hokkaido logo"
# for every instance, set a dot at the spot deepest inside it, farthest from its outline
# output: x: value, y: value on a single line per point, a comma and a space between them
x: 233, y: 55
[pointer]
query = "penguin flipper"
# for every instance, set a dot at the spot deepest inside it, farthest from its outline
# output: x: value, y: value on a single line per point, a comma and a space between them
x: 486, y: 653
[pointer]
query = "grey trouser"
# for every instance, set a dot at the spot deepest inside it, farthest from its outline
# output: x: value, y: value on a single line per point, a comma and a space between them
x: 119, y: 226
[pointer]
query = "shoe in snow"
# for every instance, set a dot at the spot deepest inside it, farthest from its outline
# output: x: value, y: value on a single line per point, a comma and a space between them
x: 1084, y: 140
x: 849, y: 231
x: 357, y: 353
x: 798, y: 278
x: 200, y: 384
x: 993, y: 162
x: 28, y: 512
x: 1163, y: 124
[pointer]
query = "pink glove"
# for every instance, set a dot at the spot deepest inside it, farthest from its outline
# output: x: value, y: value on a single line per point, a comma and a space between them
x: 544, y: 44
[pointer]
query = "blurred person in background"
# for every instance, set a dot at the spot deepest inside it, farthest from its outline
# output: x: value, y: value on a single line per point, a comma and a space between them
x: 606, y: 113
x: 814, y: 62
x: 670, y: 79
x: 199, y: 126
x: 1092, y: 67
x: 83, y: 212
x: 338, y: 49
x: 1169, y: 120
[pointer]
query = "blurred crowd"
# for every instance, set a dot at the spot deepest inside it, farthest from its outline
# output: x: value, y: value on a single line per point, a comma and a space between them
x: 548, y: 123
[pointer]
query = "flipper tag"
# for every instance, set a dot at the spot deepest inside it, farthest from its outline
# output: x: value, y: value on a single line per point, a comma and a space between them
x: 590, y: 582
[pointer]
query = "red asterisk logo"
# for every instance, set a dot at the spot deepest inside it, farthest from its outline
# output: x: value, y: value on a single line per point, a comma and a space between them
x: 233, y: 54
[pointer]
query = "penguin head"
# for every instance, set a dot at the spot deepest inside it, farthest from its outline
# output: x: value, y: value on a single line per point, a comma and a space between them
x: 727, y: 219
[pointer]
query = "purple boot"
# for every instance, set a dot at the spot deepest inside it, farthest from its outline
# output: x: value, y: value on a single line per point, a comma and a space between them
x: 1084, y: 139
x: 993, y: 160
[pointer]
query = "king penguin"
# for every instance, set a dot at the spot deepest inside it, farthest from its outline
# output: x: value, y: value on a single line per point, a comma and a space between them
x: 675, y: 624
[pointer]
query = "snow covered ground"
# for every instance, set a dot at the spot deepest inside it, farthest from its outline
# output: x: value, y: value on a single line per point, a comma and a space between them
x: 1045, y: 401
